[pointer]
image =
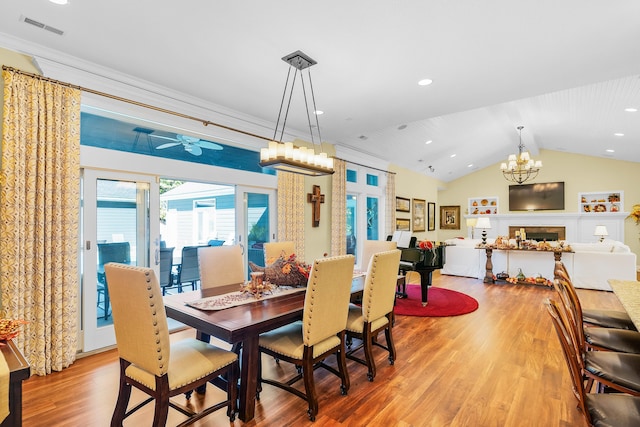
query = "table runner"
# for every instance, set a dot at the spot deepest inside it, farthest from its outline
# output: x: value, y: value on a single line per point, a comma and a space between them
x: 628, y: 292
x: 232, y: 299
x: 4, y: 388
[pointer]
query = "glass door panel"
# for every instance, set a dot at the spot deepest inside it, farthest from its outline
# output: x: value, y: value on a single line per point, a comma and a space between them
x: 117, y: 227
x: 255, y: 221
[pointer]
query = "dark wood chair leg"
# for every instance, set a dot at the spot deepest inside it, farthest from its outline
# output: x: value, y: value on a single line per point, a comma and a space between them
x: 123, y: 397
x: 367, y: 341
x: 309, y: 383
x: 161, y: 412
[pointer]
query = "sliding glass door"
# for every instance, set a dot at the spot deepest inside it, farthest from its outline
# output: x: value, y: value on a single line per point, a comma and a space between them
x: 119, y: 225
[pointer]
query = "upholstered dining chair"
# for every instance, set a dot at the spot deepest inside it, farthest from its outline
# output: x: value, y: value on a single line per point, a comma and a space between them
x: 188, y: 270
x: 321, y: 332
x: 149, y: 361
x: 610, y: 370
x: 166, y: 278
x: 598, y: 409
x: 594, y: 337
x: 273, y: 250
x: 220, y: 266
x: 376, y: 313
x: 597, y: 317
x: 370, y: 247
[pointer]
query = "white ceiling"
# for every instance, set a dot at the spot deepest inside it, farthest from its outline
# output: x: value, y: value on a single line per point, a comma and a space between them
x: 565, y: 70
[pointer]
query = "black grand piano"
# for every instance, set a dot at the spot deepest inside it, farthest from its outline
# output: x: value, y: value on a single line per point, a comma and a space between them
x: 424, y: 261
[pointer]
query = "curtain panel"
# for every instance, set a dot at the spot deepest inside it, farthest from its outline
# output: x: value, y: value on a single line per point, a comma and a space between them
x: 291, y: 199
x: 390, y: 212
x: 339, y: 208
x: 39, y: 217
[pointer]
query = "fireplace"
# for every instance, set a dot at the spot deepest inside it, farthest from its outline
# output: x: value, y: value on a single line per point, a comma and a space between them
x: 539, y: 233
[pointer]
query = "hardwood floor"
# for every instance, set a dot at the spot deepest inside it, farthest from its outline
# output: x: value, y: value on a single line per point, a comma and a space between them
x: 498, y: 366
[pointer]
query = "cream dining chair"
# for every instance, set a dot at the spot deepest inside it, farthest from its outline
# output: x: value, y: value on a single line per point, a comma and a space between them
x: 321, y: 332
x: 220, y: 266
x: 376, y: 313
x: 370, y: 247
x: 149, y: 361
x: 273, y: 250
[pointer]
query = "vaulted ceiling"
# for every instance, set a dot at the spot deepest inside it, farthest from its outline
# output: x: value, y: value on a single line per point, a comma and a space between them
x: 565, y: 70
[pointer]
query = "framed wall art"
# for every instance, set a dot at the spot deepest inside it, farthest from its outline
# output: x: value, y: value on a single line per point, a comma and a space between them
x: 431, y: 216
x: 403, y: 205
x: 403, y: 224
x: 450, y: 217
x: 419, y: 214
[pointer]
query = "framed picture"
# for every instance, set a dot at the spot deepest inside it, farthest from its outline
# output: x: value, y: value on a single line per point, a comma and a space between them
x: 431, y: 216
x: 419, y: 211
x: 403, y: 224
x: 403, y: 205
x: 450, y: 217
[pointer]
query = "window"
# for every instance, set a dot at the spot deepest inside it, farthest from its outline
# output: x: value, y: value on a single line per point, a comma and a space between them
x: 365, y: 207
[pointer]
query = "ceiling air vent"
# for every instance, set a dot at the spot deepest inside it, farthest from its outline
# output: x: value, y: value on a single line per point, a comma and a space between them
x: 41, y: 25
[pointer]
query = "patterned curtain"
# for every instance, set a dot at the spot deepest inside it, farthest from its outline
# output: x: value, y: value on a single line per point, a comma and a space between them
x: 390, y: 212
x: 339, y: 208
x: 291, y: 199
x: 39, y: 217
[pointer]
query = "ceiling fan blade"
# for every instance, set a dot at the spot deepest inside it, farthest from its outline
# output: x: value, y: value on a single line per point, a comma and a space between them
x: 193, y: 149
x: 167, y: 145
x: 209, y: 145
x: 163, y: 137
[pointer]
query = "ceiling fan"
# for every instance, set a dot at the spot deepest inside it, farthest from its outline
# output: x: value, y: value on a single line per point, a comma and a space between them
x: 191, y: 144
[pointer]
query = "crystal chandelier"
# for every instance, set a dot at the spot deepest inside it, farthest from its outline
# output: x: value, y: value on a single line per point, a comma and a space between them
x: 285, y: 156
x: 520, y: 167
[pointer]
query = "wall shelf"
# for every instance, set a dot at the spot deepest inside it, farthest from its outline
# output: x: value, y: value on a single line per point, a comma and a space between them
x: 483, y: 206
x: 601, y: 202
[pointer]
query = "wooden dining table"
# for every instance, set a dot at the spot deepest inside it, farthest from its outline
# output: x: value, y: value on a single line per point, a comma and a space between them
x: 628, y: 292
x: 242, y: 324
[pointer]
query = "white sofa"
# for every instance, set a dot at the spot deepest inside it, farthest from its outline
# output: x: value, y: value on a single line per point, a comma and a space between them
x: 590, y: 266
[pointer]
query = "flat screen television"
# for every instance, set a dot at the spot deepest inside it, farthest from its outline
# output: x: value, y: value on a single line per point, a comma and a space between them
x: 536, y: 197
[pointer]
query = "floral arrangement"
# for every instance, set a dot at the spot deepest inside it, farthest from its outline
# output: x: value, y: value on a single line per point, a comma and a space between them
x: 10, y: 329
x: 635, y: 214
x: 430, y: 246
x: 285, y: 270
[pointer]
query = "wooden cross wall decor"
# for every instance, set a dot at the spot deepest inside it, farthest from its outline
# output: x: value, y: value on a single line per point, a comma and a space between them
x: 316, y: 198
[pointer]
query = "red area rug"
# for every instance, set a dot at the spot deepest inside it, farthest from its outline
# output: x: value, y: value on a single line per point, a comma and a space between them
x: 441, y: 303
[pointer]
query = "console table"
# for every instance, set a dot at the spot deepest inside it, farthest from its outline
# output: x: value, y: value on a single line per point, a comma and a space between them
x: 19, y: 371
x: 488, y: 277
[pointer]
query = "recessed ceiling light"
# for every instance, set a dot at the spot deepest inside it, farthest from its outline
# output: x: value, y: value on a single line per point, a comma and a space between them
x: 611, y: 151
x: 470, y: 165
x: 428, y: 142
x: 619, y: 134
x: 630, y: 110
x: 453, y: 155
x: 425, y: 82
x: 59, y: 1
x: 402, y: 127
x: 318, y: 112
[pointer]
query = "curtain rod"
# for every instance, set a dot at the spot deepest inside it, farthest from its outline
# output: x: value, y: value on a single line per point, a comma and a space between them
x: 151, y: 107
x: 130, y: 101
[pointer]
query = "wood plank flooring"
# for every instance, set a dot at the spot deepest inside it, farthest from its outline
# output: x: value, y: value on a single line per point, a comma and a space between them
x: 498, y: 366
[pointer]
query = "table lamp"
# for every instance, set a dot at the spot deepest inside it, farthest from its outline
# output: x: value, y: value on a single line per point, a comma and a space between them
x: 484, y: 223
x: 471, y: 222
x: 601, y: 231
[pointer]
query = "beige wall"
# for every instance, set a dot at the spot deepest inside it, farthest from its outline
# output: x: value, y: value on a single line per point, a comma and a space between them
x: 413, y: 185
x: 579, y: 173
x: 317, y: 239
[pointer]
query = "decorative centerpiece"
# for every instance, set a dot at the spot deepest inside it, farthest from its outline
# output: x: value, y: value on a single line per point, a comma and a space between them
x: 10, y: 329
x: 284, y: 271
x: 257, y: 286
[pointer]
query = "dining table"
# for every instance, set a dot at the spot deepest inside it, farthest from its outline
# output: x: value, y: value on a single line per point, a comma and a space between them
x: 242, y: 324
x: 628, y: 292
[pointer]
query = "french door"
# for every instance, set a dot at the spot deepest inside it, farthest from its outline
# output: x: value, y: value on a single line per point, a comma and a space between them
x: 119, y: 224
x: 255, y: 221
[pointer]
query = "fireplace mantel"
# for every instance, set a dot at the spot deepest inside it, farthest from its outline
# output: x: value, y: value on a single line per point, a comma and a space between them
x: 579, y: 227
